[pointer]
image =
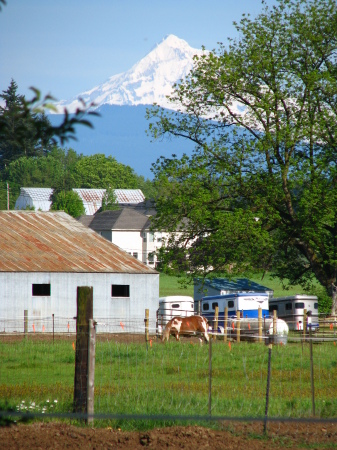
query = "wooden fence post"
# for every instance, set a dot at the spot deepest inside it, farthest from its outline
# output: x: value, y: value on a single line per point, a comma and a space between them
x: 274, y: 325
x: 238, y: 326
x: 84, y: 314
x: 304, y: 323
x: 147, y: 315
x: 216, y: 321
x: 25, y: 323
x: 225, y: 323
x: 260, y: 323
x: 91, y: 369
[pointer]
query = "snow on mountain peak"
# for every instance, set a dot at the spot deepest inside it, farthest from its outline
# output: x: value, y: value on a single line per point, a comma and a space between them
x: 149, y: 81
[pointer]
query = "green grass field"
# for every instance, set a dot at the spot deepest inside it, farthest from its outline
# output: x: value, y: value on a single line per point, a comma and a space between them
x: 171, y: 285
x: 172, y: 379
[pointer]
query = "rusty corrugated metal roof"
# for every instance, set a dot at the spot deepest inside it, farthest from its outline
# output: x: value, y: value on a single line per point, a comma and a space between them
x: 92, y: 198
x: 55, y: 242
x: 129, y: 195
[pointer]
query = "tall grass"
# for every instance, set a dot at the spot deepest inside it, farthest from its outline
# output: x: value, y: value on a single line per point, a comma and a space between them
x: 173, y: 379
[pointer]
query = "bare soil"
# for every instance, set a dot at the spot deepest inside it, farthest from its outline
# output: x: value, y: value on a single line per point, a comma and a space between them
x: 55, y: 435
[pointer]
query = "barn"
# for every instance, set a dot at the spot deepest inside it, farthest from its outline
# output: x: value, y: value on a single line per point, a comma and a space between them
x: 45, y: 256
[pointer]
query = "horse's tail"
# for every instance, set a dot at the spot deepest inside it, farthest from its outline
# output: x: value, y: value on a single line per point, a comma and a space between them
x: 166, y: 332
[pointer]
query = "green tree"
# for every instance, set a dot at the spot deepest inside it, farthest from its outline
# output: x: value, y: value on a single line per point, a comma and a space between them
x: 99, y: 171
x: 262, y: 114
x: 69, y: 202
x: 109, y: 200
x: 21, y: 134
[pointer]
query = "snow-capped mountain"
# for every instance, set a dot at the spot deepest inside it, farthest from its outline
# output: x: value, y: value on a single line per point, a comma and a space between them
x: 149, y: 81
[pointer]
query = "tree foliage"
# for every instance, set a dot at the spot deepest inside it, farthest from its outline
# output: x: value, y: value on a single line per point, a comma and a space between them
x: 69, y: 202
x: 260, y: 189
x: 21, y: 134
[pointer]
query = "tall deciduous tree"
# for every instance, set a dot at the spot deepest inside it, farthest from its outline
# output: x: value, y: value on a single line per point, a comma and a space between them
x: 69, y: 202
x: 261, y: 186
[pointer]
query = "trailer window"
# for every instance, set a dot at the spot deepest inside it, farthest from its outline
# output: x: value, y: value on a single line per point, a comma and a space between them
x: 41, y: 290
x: 273, y: 307
x: 120, y: 290
x: 289, y: 306
x: 231, y: 304
x: 315, y: 305
x: 299, y: 305
x: 205, y: 307
x: 214, y: 305
x: 175, y: 305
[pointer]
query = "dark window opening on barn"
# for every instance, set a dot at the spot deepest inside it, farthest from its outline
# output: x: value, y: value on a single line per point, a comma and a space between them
x: 205, y: 306
x: 41, y: 290
x: 231, y: 304
x: 289, y: 306
x: 273, y: 308
x: 120, y: 290
x: 175, y: 305
x: 214, y: 305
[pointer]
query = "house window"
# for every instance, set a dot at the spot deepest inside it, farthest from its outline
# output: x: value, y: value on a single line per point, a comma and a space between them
x: 120, y: 290
x: 135, y: 254
x: 41, y: 290
x: 151, y: 237
x: 150, y: 258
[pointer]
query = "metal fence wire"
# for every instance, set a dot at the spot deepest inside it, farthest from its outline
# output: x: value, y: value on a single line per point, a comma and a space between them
x: 137, y: 376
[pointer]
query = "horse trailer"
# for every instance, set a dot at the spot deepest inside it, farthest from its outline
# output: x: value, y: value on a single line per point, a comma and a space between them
x: 291, y: 310
x: 247, y: 303
x: 173, y: 306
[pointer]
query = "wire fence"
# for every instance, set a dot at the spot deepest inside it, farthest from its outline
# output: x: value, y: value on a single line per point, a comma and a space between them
x: 138, y: 378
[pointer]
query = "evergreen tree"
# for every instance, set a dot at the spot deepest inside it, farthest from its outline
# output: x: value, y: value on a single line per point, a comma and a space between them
x: 22, y: 132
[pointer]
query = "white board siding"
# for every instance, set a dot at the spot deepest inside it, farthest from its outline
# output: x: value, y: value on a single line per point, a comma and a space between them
x: 17, y: 296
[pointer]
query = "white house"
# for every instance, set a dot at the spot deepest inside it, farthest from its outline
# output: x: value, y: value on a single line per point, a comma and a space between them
x: 129, y: 228
x: 40, y: 198
x: 45, y: 256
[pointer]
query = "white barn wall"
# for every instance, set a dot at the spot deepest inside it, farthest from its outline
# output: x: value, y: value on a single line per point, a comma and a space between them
x: 108, y: 312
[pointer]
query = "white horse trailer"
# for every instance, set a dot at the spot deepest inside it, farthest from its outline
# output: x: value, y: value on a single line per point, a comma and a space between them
x: 173, y: 306
x: 291, y: 310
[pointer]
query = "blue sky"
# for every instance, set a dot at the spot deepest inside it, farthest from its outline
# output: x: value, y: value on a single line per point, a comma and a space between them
x: 65, y: 47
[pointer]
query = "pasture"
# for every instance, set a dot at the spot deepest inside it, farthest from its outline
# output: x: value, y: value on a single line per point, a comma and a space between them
x: 37, y: 375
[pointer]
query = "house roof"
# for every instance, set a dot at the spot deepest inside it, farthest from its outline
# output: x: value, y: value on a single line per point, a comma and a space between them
x: 121, y: 219
x: 55, y: 242
x: 237, y: 285
x: 91, y: 198
x: 40, y: 198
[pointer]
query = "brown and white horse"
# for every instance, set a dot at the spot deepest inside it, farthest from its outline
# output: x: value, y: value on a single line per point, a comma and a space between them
x: 187, y: 326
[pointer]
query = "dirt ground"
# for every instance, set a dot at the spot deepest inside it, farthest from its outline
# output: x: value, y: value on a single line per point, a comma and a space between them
x: 39, y: 436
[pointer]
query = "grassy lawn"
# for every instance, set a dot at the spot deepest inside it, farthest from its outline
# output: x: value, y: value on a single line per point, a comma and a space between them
x: 172, y: 379
x: 170, y: 285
